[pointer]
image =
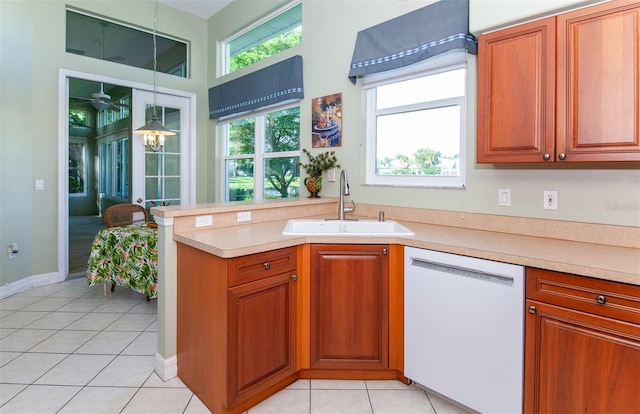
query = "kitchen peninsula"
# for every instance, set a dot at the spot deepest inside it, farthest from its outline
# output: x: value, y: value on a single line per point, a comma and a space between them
x: 216, y: 255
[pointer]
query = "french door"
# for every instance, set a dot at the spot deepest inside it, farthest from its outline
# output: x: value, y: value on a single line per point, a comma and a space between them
x: 161, y: 177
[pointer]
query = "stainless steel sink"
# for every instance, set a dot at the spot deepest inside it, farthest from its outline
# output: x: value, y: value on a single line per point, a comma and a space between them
x: 321, y: 227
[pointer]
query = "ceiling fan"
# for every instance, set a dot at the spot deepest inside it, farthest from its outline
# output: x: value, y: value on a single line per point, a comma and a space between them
x: 102, y: 101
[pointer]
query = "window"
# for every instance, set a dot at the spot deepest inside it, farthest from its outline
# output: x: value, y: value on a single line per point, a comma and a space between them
x: 77, y: 118
x: 416, y: 126
x: 275, y: 33
x: 107, y: 40
x: 113, y: 153
x: 261, y: 156
x: 116, y: 112
x: 162, y: 168
x: 77, y: 169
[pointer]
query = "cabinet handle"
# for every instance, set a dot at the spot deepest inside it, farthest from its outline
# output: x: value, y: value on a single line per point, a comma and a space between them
x: 601, y: 300
x: 532, y: 309
x: 384, y: 251
x: 294, y: 277
x: 267, y: 265
x: 546, y: 157
x: 562, y: 156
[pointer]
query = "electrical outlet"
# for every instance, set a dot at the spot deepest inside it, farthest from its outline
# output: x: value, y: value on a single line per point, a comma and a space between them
x: 244, y: 216
x: 331, y: 174
x: 39, y: 185
x: 550, y: 200
x: 504, y: 197
x: 202, y: 221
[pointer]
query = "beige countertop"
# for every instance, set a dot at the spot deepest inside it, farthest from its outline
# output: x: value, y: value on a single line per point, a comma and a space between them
x: 621, y: 264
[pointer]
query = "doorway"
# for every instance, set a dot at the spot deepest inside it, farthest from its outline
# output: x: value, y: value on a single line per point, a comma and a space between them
x: 102, y: 162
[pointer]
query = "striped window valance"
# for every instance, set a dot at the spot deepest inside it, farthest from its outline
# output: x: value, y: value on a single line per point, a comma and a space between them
x: 412, y: 38
x: 272, y: 85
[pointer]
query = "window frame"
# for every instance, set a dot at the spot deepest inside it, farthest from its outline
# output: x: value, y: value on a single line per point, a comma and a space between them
x: 225, y: 44
x: 259, y: 156
x: 447, y: 62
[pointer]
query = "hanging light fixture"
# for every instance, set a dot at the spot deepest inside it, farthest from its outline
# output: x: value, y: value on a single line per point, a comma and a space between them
x: 154, y: 132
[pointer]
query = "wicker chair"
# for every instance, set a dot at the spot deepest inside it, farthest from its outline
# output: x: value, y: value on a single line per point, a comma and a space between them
x: 124, y: 215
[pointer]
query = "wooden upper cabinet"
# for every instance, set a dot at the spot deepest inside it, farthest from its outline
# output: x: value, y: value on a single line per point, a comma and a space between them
x: 516, y: 100
x: 598, y: 96
x: 563, y: 89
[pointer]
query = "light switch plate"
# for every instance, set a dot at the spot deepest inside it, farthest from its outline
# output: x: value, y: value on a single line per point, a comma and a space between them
x: 331, y: 174
x: 504, y: 197
x: 39, y: 185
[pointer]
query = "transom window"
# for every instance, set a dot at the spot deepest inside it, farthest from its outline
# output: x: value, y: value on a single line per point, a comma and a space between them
x: 103, y: 39
x: 416, y: 127
x: 261, y: 156
x: 279, y: 31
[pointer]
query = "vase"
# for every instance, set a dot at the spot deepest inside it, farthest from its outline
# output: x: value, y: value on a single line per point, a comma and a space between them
x: 314, y: 185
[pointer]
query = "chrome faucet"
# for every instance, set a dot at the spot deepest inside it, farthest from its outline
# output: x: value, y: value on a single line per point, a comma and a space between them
x: 344, y: 191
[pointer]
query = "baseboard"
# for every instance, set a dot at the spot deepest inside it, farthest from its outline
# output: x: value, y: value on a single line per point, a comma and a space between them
x: 29, y: 282
x: 166, y: 368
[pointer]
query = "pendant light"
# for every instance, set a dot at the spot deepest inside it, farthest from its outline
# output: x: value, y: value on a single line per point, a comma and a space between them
x: 154, y: 132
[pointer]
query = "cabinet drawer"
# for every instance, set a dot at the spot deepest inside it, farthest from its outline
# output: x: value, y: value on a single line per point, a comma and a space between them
x: 258, y: 266
x: 600, y: 297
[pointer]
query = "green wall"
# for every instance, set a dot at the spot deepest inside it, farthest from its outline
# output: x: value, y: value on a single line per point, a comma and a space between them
x: 32, y: 47
x: 32, y: 54
x: 608, y: 194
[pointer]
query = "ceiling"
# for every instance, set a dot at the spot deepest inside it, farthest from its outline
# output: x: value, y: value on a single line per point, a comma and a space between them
x: 202, y: 8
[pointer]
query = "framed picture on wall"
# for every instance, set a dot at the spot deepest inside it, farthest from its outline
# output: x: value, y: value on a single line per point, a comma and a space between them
x: 326, y: 121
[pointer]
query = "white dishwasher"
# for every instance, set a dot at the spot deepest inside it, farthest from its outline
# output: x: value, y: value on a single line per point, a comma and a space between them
x: 463, y: 329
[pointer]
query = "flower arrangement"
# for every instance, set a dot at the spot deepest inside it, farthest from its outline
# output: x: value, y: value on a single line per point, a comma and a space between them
x: 320, y: 163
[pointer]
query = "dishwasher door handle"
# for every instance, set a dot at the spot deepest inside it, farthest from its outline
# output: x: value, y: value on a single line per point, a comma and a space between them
x: 462, y: 271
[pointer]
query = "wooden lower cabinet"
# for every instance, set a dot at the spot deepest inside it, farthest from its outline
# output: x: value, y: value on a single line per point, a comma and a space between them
x: 349, y: 307
x: 236, y: 326
x: 261, y: 334
x: 578, y: 358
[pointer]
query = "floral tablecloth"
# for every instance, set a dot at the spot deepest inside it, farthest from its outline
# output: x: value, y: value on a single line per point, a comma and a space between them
x: 126, y: 256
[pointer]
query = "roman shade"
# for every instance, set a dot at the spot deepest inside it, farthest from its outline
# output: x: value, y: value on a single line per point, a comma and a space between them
x: 413, y: 37
x: 274, y: 84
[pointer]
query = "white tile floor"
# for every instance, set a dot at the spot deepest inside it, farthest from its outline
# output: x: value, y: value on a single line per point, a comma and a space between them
x: 64, y: 349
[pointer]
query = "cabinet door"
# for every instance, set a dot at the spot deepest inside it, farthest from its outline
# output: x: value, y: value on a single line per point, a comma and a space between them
x: 349, y: 306
x: 576, y: 362
x: 516, y: 93
x: 261, y: 334
x: 599, y: 83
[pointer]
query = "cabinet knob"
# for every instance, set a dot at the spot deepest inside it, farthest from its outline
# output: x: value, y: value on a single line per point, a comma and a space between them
x: 601, y: 299
x: 562, y: 156
x: 294, y: 277
x: 546, y: 157
x: 267, y: 265
x: 384, y: 251
x: 532, y: 309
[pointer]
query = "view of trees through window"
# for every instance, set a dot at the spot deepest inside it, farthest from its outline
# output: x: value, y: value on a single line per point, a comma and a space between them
x: 416, y: 128
x: 264, y: 151
x: 280, y: 31
x: 266, y: 49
